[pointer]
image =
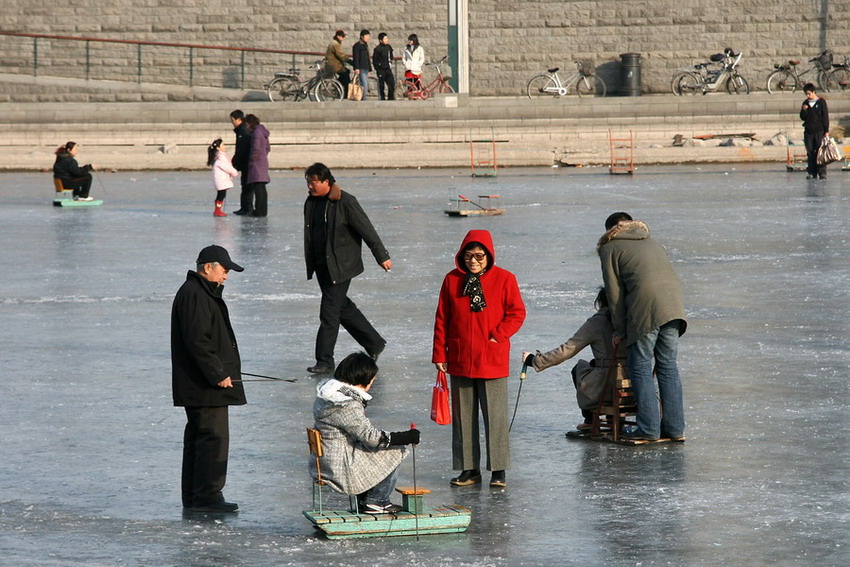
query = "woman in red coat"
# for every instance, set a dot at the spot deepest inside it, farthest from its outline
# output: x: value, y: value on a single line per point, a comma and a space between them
x: 480, y: 309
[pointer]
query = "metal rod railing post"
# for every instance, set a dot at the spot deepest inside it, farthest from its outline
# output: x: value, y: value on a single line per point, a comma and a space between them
x: 242, y: 71
x: 191, y: 66
x: 139, y: 63
x: 88, y: 59
x: 35, y: 57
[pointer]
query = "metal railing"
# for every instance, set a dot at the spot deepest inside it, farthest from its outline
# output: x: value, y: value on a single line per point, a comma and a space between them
x: 156, y: 62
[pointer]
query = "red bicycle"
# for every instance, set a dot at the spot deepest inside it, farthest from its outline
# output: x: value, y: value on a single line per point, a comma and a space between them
x: 415, y: 90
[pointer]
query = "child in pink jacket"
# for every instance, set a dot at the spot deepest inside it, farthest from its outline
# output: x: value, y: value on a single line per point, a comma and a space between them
x: 223, y: 173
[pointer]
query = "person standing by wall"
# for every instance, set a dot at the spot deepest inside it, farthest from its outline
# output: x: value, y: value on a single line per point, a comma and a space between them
x: 648, y: 314
x: 362, y: 64
x: 335, y: 226
x: 479, y: 310
x: 241, y: 153
x: 204, y: 364
x: 258, y: 165
x: 413, y: 59
x: 382, y: 60
x: 815, y: 116
x: 336, y: 61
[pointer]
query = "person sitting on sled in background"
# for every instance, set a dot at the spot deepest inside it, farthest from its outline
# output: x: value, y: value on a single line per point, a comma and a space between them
x: 358, y: 457
x: 588, y: 377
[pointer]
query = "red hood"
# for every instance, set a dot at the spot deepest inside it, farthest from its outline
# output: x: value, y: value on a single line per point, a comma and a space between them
x: 484, y: 239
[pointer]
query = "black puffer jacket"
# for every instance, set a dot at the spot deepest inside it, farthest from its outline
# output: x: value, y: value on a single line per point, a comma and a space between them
x: 203, y: 347
x: 815, y: 118
x: 66, y: 167
x: 347, y: 228
x: 242, y: 148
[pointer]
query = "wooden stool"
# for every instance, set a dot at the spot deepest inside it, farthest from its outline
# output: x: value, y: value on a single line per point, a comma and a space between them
x: 412, y: 499
x: 314, y: 441
x: 618, y: 404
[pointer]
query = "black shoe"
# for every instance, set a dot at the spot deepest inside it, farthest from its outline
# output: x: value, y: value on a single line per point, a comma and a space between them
x: 255, y: 214
x: 498, y: 479
x: 321, y: 368
x: 217, y: 508
x: 822, y: 177
x: 241, y: 212
x: 677, y: 438
x: 382, y: 508
x: 378, y: 352
x: 467, y: 478
x: 637, y: 435
x: 809, y: 176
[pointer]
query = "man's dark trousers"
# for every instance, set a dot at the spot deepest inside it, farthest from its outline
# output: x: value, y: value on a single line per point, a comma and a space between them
x: 206, y: 441
x: 337, y: 309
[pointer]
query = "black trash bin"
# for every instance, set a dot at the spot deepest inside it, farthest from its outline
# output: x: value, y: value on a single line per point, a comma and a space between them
x: 630, y: 74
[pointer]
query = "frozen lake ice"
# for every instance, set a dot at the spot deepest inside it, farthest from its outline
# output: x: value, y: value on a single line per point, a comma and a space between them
x: 91, y: 454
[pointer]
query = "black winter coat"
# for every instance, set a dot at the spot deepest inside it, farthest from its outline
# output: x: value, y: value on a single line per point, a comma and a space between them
x: 203, y: 347
x: 815, y: 118
x: 382, y: 58
x: 347, y: 227
x: 66, y: 167
x: 242, y: 148
x: 360, y: 51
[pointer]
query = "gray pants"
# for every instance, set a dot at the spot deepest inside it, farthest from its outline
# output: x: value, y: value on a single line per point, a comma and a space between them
x: 491, y: 395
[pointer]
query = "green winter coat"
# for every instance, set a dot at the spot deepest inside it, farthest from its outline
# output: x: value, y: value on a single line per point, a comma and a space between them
x: 643, y: 291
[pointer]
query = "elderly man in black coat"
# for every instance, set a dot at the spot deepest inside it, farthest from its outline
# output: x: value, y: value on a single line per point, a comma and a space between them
x: 205, y: 363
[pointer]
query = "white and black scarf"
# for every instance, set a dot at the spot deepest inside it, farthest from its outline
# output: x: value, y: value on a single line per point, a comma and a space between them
x: 472, y: 288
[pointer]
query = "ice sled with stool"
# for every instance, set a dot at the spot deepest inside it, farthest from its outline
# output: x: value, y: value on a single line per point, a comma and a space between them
x: 414, y: 519
x: 64, y: 198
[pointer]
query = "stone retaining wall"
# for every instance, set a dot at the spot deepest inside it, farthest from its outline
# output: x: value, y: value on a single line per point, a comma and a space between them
x: 509, y: 41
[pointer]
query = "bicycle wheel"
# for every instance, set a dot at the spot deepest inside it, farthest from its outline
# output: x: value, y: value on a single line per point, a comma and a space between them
x: 445, y: 87
x: 841, y: 75
x: 828, y: 81
x: 541, y: 85
x: 737, y: 85
x: 591, y: 85
x: 327, y: 89
x: 686, y: 84
x: 283, y: 88
x: 781, y: 82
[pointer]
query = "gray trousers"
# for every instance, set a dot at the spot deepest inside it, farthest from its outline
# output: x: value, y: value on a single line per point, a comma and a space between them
x: 468, y: 394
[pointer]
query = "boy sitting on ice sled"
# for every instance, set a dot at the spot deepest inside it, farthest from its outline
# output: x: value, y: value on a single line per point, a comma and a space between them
x: 358, y: 457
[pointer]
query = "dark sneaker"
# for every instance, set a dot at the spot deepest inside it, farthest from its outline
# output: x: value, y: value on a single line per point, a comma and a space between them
x: 389, y: 508
x: 321, y: 369
x: 677, y: 438
x: 498, y: 479
x: 217, y: 508
x: 467, y: 478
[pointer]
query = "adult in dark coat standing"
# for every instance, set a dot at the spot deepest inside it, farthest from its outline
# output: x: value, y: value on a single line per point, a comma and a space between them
x: 205, y: 362
x: 815, y: 116
x: 258, y: 165
x: 241, y: 155
x: 335, y: 226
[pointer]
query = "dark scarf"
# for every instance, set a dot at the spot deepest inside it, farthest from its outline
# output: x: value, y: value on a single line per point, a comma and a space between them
x: 472, y: 288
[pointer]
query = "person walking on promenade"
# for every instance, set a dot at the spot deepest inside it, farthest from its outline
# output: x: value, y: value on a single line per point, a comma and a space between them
x: 336, y: 61
x: 334, y: 228
x: 358, y: 457
x: 241, y: 153
x: 258, y: 165
x: 204, y: 365
x: 648, y: 314
x: 815, y: 116
x: 223, y: 173
x: 362, y: 64
x: 382, y: 60
x: 588, y: 377
x: 413, y: 59
x: 73, y: 177
x: 479, y: 310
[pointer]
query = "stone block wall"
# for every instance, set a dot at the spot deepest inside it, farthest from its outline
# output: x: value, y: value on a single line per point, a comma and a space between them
x: 510, y: 40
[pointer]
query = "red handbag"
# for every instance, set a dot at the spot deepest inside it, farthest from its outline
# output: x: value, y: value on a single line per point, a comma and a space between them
x: 440, y: 410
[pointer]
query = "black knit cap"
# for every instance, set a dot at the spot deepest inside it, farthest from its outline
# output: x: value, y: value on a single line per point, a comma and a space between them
x: 218, y: 254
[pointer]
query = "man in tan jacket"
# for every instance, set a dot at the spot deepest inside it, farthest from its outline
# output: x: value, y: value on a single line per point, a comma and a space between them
x: 648, y: 315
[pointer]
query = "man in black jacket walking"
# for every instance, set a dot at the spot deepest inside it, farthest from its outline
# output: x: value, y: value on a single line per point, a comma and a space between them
x: 382, y: 58
x: 334, y: 228
x: 241, y: 156
x: 815, y: 116
x: 204, y: 364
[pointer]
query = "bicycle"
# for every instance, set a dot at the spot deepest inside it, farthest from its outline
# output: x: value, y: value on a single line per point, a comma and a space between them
x: 701, y: 79
x: 288, y: 86
x: 415, y: 90
x: 837, y: 77
x: 786, y: 78
x: 550, y: 83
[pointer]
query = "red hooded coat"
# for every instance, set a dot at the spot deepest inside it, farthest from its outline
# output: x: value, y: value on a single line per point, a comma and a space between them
x: 461, y: 336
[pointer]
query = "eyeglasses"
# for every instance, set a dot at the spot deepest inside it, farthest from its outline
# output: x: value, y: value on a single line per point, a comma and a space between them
x: 479, y: 256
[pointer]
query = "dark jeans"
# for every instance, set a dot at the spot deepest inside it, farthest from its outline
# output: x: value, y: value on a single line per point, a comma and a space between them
x: 206, y: 441
x: 80, y: 185
x: 261, y: 199
x: 246, y: 198
x: 337, y: 309
x: 813, y: 141
x: 386, y: 80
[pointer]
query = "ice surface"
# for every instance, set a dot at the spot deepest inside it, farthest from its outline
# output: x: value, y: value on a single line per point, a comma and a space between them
x: 92, y: 445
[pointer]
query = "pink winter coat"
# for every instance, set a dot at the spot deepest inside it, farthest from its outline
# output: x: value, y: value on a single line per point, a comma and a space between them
x: 461, y: 336
x: 223, y: 172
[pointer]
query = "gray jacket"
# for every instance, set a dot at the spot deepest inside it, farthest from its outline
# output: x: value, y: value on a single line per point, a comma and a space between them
x: 643, y: 291
x: 590, y: 377
x: 357, y: 455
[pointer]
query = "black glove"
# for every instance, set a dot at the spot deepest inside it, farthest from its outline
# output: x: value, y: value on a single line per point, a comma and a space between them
x: 405, y: 437
x: 529, y: 360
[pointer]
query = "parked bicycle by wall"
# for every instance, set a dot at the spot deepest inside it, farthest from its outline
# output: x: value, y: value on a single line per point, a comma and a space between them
x: 837, y: 78
x: 288, y: 86
x: 720, y: 72
x: 583, y: 81
x: 786, y: 78
x: 440, y: 84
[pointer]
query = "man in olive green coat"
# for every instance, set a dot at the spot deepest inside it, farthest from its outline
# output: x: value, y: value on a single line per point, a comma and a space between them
x: 648, y: 314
